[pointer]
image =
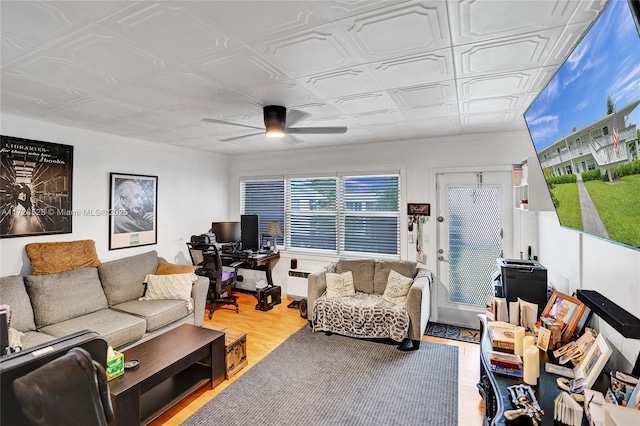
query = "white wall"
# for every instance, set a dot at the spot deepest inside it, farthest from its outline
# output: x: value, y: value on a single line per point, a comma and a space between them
x: 192, y: 190
x: 585, y: 262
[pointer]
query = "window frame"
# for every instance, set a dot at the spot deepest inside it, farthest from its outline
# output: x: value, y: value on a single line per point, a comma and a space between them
x: 340, y: 213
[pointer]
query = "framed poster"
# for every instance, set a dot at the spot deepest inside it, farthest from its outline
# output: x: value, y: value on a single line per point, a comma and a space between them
x: 35, y: 186
x: 133, y: 211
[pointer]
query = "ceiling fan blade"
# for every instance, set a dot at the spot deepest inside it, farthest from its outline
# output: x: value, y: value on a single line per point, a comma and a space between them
x: 240, y: 137
x: 230, y: 123
x: 290, y: 140
x: 315, y: 130
x: 294, y: 115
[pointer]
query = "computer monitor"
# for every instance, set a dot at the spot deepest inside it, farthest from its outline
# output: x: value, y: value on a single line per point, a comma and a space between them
x: 250, y: 231
x: 226, y: 232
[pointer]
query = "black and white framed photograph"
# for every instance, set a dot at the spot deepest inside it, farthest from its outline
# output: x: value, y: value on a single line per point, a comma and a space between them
x: 35, y: 186
x: 133, y: 211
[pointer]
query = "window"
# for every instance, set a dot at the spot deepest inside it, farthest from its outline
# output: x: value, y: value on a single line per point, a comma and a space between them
x: 266, y: 199
x: 605, y: 130
x: 337, y: 215
x: 370, y: 215
x: 312, y: 213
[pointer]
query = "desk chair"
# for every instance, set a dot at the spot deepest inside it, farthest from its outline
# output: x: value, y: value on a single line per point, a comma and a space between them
x: 71, y: 389
x: 221, y: 283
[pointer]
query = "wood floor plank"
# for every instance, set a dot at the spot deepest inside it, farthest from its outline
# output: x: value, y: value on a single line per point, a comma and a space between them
x: 266, y: 330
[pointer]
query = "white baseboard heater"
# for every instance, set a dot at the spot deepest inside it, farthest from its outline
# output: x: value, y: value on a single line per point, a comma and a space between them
x: 297, y: 286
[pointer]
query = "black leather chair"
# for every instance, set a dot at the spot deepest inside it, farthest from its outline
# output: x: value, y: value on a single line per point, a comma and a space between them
x: 70, y: 390
x: 221, y: 283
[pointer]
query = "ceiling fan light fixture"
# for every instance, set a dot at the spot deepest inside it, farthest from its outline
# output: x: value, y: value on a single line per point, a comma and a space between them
x: 275, y: 130
x: 274, y: 120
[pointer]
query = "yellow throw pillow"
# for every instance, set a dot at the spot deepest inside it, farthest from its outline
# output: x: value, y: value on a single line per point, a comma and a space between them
x: 49, y: 258
x: 340, y: 285
x: 166, y: 268
x: 397, y: 288
x: 174, y: 286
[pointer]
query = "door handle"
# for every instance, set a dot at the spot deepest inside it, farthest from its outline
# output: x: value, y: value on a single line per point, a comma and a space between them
x: 442, y: 259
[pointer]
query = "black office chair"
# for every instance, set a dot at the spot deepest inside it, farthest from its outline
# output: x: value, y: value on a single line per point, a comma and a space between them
x: 221, y: 283
x: 70, y: 390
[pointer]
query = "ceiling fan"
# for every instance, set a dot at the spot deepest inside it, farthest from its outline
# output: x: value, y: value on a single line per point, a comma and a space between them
x: 277, y: 122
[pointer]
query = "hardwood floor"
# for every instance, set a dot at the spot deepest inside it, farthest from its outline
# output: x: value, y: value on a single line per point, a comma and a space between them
x: 266, y: 330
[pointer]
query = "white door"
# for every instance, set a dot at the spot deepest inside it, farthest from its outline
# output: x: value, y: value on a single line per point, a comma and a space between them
x: 474, y: 223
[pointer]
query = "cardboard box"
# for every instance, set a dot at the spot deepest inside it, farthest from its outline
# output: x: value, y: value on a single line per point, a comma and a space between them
x: 115, y: 366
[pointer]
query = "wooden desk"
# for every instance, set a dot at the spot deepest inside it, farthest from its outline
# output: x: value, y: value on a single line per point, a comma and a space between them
x: 259, y: 262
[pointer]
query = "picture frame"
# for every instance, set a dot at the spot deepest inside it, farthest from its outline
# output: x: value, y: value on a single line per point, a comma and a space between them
x: 544, y: 337
x: 36, y: 180
x: 565, y: 309
x: 419, y: 209
x: 133, y: 210
x: 594, y: 360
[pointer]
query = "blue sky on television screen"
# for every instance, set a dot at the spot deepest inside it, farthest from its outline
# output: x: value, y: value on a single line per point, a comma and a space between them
x: 606, y: 62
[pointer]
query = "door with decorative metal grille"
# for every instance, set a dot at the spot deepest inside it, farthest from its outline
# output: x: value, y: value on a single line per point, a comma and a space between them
x: 474, y: 224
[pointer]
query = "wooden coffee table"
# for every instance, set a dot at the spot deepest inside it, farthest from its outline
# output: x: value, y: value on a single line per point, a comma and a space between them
x: 172, y: 366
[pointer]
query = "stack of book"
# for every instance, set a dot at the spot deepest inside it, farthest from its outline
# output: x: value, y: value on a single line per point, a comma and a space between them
x: 502, y: 336
x: 504, y: 363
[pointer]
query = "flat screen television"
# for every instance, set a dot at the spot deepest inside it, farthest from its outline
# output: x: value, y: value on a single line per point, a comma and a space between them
x: 250, y: 230
x: 226, y: 232
x: 584, y: 126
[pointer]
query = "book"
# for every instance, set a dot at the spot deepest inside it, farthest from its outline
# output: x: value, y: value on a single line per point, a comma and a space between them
x: 506, y: 370
x: 496, y: 309
x: 567, y: 411
x: 502, y: 336
x: 514, y: 313
x: 506, y: 360
x: 490, y: 308
x: 501, y: 309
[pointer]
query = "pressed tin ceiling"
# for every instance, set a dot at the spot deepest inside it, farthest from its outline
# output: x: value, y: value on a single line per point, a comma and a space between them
x: 388, y: 70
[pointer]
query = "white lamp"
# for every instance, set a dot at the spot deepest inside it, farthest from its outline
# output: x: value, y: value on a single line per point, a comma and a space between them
x: 274, y: 231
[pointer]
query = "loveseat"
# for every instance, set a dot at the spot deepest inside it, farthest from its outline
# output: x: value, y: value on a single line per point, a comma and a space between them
x: 370, y: 312
x: 103, y: 299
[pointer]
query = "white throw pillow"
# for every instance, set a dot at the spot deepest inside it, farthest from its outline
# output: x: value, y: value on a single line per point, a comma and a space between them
x: 340, y: 285
x: 397, y: 288
x: 175, y: 286
x: 15, y: 337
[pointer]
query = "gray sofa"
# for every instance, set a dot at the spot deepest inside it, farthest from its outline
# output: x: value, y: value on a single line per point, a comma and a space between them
x: 103, y: 299
x: 367, y: 314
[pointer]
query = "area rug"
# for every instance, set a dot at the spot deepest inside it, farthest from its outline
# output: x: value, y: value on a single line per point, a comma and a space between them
x: 453, y: 332
x: 315, y: 379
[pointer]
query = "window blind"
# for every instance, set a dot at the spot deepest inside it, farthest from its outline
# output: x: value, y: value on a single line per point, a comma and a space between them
x: 370, y: 217
x: 312, y: 213
x: 338, y: 215
x: 266, y: 199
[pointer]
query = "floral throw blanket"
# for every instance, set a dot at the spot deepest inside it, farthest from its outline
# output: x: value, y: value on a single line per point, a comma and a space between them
x: 362, y: 315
